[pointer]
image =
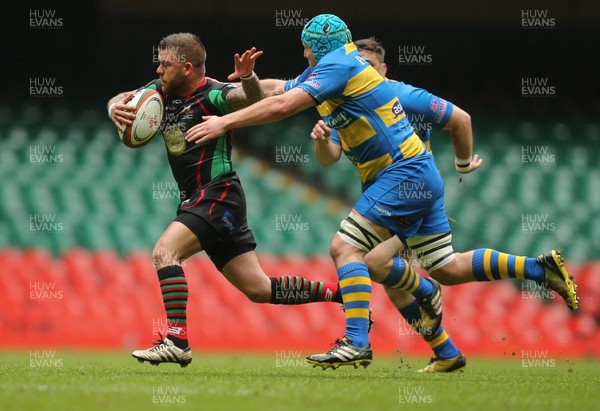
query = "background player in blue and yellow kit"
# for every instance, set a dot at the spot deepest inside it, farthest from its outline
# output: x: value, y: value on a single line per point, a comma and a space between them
x: 403, y: 192
x: 424, y: 111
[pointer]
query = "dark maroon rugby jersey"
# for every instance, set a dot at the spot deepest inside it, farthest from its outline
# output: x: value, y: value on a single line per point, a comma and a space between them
x: 194, y: 165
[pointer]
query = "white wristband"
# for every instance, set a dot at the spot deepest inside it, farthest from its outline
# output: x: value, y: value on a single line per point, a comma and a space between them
x: 110, y: 109
x: 248, y: 77
x: 462, y: 165
x: 462, y: 162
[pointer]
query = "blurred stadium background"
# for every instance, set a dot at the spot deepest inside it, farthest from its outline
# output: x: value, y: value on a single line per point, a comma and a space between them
x: 80, y: 212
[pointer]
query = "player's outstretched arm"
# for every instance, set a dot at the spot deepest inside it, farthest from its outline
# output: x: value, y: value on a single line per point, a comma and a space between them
x: 265, y: 111
x: 251, y: 90
x: 119, y: 112
x: 271, y: 87
x: 326, y: 151
x: 461, y: 132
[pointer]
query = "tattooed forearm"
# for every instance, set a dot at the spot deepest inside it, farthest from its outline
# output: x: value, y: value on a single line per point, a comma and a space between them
x: 250, y: 92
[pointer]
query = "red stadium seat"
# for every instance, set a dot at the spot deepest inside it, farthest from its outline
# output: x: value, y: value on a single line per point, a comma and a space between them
x: 110, y: 301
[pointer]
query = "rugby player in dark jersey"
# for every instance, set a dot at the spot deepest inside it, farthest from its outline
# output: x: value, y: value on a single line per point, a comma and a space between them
x: 212, y: 213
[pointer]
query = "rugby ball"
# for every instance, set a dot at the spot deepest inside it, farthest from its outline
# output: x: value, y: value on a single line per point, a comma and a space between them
x: 149, y: 106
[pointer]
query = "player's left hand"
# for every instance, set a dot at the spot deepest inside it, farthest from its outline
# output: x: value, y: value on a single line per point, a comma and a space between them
x: 244, y: 65
x: 320, y: 132
x: 474, y: 165
x: 210, y: 128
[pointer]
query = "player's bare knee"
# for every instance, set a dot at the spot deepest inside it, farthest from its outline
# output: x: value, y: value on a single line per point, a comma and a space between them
x: 163, y: 256
x: 341, y: 250
x: 258, y: 294
x: 336, y: 247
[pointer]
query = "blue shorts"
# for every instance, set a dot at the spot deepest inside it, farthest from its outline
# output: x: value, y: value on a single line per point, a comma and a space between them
x: 408, y: 201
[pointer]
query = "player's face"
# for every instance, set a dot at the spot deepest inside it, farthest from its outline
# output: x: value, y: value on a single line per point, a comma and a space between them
x: 372, y: 59
x: 308, y: 55
x: 170, y: 71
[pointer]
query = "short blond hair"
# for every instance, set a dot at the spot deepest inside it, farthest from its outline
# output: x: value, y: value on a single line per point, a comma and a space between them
x: 373, y: 45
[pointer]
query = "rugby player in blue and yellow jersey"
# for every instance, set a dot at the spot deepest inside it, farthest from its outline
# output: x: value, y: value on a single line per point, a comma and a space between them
x: 403, y: 192
x: 424, y: 111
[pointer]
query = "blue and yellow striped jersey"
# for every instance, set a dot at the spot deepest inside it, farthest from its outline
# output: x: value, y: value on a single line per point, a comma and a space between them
x: 353, y: 98
x: 423, y: 110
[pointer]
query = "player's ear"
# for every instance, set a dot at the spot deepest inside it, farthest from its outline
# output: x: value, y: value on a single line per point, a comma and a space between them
x: 188, y: 67
x: 384, y: 69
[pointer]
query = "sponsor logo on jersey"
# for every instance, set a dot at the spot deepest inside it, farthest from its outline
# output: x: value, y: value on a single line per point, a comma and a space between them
x: 382, y: 210
x: 312, y: 81
x: 434, y: 104
x: 228, y: 221
x: 438, y: 106
x: 174, y: 140
x: 397, y: 109
x: 341, y: 120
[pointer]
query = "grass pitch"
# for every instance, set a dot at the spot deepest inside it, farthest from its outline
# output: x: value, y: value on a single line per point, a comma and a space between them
x: 49, y: 380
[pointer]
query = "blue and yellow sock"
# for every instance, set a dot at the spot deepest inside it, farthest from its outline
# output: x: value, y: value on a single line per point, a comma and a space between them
x: 492, y: 265
x: 355, y: 285
x: 403, y: 277
x: 440, y: 343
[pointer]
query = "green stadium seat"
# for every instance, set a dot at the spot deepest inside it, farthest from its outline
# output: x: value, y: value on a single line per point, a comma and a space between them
x: 32, y: 116
x: 592, y: 133
x: 61, y: 118
x: 528, y: 131
x: 103, y: 191
x: 7, y: 116
x: 561, y: 132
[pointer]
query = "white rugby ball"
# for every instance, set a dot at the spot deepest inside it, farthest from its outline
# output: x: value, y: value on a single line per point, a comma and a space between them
x: 149, y: 105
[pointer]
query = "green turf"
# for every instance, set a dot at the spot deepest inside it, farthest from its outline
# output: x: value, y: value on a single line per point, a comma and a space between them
x: 115, y: 381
